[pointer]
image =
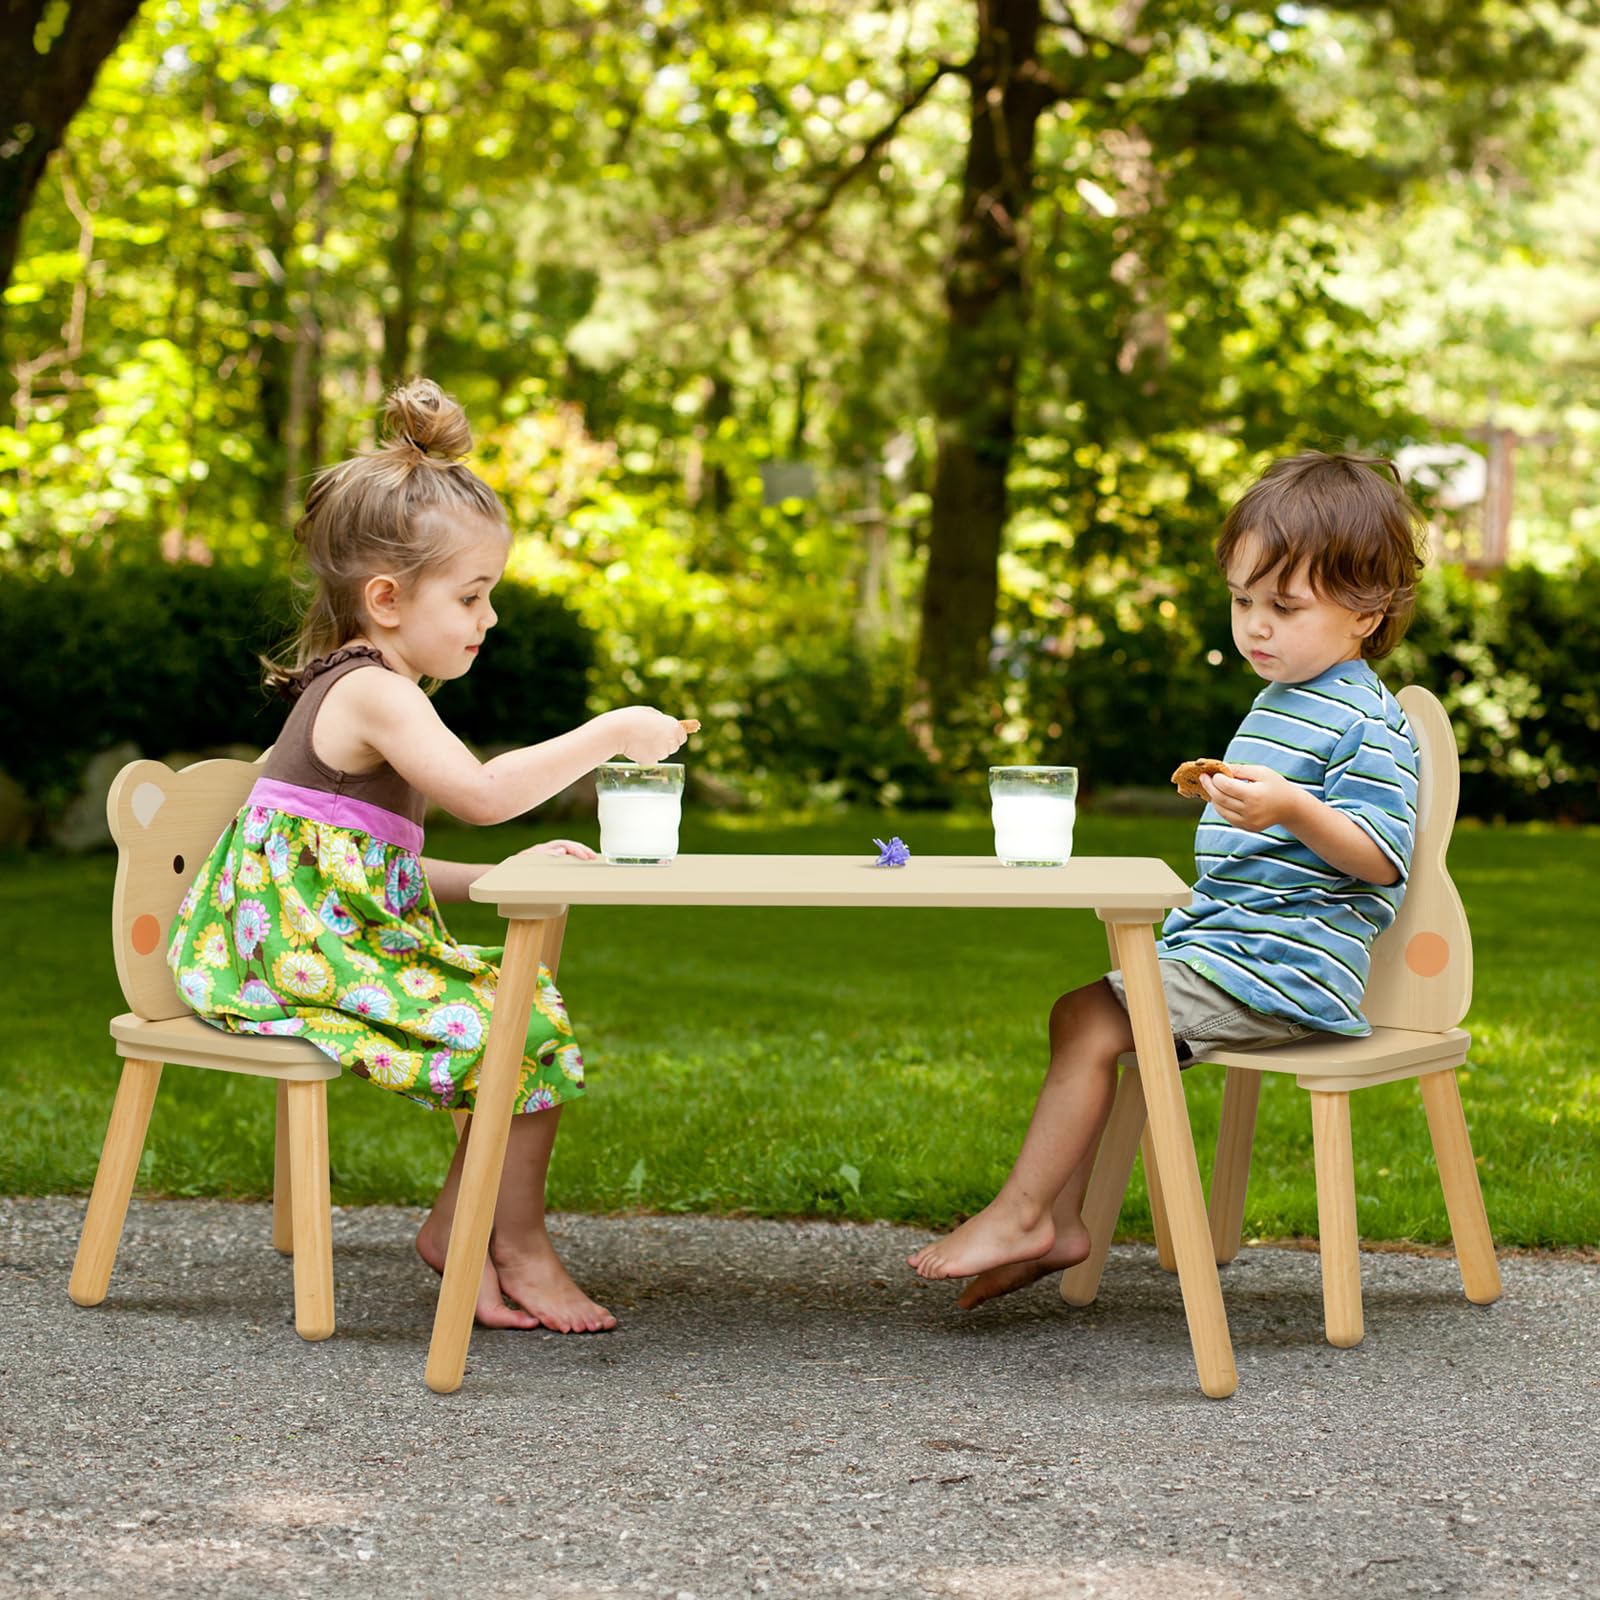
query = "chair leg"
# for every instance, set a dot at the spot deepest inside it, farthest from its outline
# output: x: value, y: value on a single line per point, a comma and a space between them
x: 1165, y: 1254
x: 1463, y: 1197
x: 282, y: 1179
x: 313, y: 1226
x: 113, y: 1181
x: 1113, y: 1165
x: 1336, y: 1218
x: 1230, y: 1173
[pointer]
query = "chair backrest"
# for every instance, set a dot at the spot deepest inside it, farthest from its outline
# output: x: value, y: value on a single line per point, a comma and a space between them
x: 1421, y: 974
x: 164, y: 824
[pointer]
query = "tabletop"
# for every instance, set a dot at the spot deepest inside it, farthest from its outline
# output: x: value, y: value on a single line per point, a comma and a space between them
x: 534, y: 886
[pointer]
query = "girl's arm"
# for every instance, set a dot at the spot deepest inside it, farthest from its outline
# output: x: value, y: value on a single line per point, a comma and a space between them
x: 373, y: 716
x: 450, y: 880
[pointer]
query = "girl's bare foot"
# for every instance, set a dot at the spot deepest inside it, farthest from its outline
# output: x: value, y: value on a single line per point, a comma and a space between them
x: 1072, y: 1246
x: 996, y: 1237
x: 491, y: 1310
x: 532, y: 1276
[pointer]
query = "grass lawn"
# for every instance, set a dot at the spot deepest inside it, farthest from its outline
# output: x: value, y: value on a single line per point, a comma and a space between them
x: 839, y: 1063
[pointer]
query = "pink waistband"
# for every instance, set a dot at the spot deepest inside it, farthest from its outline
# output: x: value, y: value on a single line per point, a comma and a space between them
x: 341, y: 810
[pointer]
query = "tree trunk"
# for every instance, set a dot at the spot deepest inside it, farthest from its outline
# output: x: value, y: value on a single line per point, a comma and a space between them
x: 303, y: 422
x: 976, y: 389
x: 44, y: 77
x: 397, y: 321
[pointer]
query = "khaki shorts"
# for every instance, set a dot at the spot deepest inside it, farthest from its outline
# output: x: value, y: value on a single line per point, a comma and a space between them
x: 1204, y: 1015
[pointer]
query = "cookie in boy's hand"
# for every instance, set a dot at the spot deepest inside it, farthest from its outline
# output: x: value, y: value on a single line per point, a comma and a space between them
x: 1188, y: 776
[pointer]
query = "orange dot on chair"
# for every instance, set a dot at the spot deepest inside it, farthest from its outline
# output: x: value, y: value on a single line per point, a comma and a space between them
x: 145, y: 934
x: 1427, y: 955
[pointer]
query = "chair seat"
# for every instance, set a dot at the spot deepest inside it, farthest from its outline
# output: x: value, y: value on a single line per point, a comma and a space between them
x: 1334, y: 1063
x: 188, y: 1041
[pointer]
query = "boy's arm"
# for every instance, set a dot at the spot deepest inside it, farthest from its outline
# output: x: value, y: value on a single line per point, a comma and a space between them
x: 1259, y: 797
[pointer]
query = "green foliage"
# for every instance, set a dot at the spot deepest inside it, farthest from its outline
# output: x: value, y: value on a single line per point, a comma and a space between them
x: 654, y: 247
x: 533, y: 680
x: 840, y: 728
x: 167, y: 657
x: 1516, y: 661
x: 162, y: 656
x: 1134, y: 686
x: 1139, y: 674
x: 1123, y: 677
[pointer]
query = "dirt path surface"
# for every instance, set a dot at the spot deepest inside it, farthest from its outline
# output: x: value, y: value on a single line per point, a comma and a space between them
x: 785, y: 1410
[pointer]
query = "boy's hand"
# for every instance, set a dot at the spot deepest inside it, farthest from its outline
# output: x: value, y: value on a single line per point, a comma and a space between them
x: 1254, y: 799
x: 560, y: 847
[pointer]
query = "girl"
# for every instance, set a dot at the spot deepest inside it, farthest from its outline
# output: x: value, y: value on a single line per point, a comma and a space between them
x: 316, y: 913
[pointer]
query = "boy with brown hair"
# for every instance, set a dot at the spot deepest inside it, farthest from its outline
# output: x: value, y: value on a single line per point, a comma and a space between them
x: 1301, y: 854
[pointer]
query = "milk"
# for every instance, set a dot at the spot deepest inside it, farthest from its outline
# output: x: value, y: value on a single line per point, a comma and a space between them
x: 1032, y: 829
x: 639, y: 825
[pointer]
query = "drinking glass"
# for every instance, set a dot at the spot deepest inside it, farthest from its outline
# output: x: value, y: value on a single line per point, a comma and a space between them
x: 1033, y: 809
x: 640, y: 805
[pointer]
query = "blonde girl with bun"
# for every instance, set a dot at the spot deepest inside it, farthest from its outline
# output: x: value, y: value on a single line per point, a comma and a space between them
x: 317, y: 914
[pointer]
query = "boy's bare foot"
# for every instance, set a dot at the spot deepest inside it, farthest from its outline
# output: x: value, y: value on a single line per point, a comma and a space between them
x: 532, y: 1276
x: 491, y: 1310
x: 993, y: 1238
x: 1071, y: 1247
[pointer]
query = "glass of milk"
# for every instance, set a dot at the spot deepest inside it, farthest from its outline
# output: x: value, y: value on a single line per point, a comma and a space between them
x: 639, y: 809
x: 1033, y: 809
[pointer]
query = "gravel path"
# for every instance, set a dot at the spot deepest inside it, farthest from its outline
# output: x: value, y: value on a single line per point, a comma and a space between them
x: 785, y: 1410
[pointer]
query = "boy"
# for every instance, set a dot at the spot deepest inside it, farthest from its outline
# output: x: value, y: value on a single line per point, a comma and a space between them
x: 1302, y: 854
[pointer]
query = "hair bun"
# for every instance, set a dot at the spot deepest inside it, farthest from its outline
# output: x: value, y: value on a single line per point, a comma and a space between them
x: 421, y: 416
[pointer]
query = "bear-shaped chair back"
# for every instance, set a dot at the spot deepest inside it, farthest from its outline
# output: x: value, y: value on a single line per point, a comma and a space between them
x: 164, y: 824
x: 1421, y: 975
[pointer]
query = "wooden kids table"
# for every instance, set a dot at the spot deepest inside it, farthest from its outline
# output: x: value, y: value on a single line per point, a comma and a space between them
x: 1127, y: 893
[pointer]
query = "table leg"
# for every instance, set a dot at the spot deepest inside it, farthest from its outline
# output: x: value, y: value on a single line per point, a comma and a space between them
x: 1108, y: 1183
x: 1173, y: 1140
x: 486, y: 1153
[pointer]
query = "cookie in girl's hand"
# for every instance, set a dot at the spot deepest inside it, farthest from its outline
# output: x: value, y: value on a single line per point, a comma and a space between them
x: 1188, y: 776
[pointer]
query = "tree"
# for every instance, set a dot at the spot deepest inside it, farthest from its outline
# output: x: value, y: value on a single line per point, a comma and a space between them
x: 50, y: 53
x: 1203, y: 100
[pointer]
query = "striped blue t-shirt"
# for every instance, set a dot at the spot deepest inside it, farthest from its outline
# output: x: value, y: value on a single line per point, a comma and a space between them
x: 1272, y: 923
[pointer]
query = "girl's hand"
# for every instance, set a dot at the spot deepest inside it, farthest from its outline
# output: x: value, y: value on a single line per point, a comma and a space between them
x: 560, y: 847
x: 646, y: 735
x: 1255, y: 799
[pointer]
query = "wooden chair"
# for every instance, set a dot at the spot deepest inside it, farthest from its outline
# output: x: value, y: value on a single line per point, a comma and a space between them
x: 164, y: 824
x: 1418, y: 990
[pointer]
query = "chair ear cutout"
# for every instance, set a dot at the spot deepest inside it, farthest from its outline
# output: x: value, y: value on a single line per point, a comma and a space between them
x: 145, y: 801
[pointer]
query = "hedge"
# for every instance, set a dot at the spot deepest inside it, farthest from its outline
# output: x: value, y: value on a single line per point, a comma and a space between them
x: 167, y: 657
x: 1513, y: 656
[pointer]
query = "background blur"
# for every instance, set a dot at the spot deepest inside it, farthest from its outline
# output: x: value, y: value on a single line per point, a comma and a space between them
x: 865, y: 380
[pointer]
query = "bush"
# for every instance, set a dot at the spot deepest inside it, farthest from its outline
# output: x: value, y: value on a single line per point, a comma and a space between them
x: 840, y: 728
x: 1514, y: 658
x: 1139, y: 691
x: 167, y: 657
x: 533, y: 679
x: 1516, y: 661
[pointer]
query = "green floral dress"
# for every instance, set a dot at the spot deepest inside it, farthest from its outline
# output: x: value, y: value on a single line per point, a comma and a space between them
x: 297, y: 926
